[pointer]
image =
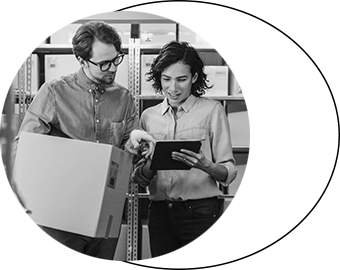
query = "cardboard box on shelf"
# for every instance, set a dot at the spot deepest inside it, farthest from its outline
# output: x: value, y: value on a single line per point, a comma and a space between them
x: 72, y: 185
x: 124, y: 31
x: 157, y: 34
x: 218, y: 77
x: 146, y: 87
x: 239, y: 75
x: 195, y: 34
x: 236, y: 214
x: 65, y: 34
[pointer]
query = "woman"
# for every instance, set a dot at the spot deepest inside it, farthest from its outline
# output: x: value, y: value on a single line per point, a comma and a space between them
x: 184, y: 203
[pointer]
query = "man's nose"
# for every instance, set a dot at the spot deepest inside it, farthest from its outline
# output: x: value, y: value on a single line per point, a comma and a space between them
x: 113, y: 68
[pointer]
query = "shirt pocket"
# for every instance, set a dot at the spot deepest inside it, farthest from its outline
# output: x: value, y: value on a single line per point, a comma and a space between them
x: 193, y: 134
x: 117, y: 131
x: 159, y: 136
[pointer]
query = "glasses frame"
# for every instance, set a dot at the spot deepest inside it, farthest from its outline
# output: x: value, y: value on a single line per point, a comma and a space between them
x: 108, y: 62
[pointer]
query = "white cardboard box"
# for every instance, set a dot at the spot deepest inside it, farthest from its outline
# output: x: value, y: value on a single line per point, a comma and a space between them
x: 218, y: 77
x: 157, y: 33
x: 146, y: 87
x: 72, y: 185
x: 195, y: 34
x: 239, y: 75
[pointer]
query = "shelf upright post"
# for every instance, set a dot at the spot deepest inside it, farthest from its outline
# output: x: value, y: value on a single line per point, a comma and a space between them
x: 25, y: 65
x: 6, y: 135
x: 22, y: 92
x: 132, y: 215
x: 28, y: 80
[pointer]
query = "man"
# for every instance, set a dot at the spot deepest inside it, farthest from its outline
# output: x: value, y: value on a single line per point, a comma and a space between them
x: 87, y: 105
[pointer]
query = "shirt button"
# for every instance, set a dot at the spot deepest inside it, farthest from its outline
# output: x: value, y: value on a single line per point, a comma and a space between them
x: 97, y: 120
x: 97, y: 141
x: 96, y: 100
x: 170, y: 205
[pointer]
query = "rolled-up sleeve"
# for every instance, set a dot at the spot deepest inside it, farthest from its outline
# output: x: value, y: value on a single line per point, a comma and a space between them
x: 222, y: 152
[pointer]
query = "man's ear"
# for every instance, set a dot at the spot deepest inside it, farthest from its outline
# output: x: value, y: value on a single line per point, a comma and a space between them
x: 82, y: 62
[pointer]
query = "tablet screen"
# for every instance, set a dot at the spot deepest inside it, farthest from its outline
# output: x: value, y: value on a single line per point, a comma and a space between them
x: 162, y: 159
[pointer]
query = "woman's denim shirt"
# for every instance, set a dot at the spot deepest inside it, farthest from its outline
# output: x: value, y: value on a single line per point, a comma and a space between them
x: 196, y: 118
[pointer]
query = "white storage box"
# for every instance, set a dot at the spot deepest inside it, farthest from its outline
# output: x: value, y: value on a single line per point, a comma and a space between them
x: 157, y: 34
x: 57, y: 65
x: 124, y: 31
x: 218, y: 77
x: 72, y: 185
x: 65, y: 34
x: 195, y: 34
x: 239, y: 75
x: 146, y: 88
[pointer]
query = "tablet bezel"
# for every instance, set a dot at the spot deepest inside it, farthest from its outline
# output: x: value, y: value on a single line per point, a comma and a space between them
x: 162, y: 159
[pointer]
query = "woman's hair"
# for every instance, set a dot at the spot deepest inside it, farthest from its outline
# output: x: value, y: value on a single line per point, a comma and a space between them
x: 91, y: 31
x: 172, y: 53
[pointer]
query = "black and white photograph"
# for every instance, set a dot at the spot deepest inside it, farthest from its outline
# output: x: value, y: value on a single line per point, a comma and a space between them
x: 124, y: 136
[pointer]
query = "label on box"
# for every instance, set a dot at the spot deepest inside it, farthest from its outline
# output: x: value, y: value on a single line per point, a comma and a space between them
x: 113, y: 175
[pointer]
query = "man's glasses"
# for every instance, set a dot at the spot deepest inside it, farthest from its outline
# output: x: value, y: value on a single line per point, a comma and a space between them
x: 105, y: 66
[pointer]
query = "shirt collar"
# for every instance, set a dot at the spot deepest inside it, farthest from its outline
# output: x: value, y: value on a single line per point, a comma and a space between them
x: 186, y: 106
x: 88, y: 84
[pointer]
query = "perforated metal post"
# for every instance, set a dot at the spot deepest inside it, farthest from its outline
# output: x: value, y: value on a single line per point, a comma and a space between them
x: 22, y: 66
x: 6, y: 137
x: 132, y: 213
x: 28, y: 81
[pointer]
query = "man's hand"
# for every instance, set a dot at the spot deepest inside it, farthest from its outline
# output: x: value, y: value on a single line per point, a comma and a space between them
x: 144, y: 141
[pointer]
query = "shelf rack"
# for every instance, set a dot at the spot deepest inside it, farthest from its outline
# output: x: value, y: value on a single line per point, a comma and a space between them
x: 6, y: 133
x: 134, y: 49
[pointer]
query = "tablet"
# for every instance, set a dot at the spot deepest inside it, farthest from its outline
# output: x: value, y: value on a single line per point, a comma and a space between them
x: 162, y: 159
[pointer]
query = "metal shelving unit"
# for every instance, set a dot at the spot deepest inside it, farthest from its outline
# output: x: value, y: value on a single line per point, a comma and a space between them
x: 6, y: 222
x: 6, y: 131
x: 134, y: 49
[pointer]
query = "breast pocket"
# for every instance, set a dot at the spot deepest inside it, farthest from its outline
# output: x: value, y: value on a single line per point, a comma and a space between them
x: 193, y: 134
x: 117, y: 131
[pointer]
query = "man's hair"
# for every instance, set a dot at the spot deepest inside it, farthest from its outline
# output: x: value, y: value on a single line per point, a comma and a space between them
x: 172, y: 53
x: 91, y: 31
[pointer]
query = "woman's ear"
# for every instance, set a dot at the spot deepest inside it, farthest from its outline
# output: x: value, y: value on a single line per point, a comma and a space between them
x: 194, y: 78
